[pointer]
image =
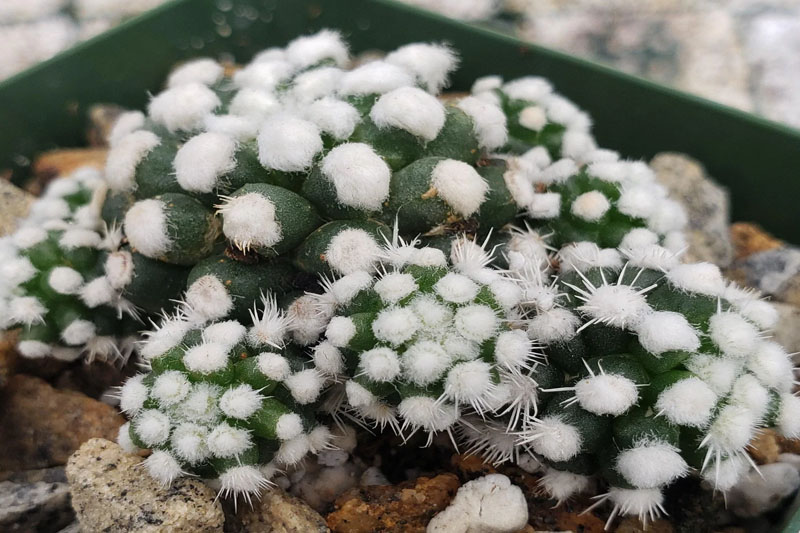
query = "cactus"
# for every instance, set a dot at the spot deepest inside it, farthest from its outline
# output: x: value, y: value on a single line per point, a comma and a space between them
x: 224, y: 402
x: 48, y: 285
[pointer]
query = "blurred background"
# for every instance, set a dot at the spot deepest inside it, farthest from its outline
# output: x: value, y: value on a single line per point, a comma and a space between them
x: 743, y: 53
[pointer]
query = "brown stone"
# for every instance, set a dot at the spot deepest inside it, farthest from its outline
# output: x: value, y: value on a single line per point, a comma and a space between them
x: 14, y: 204
x: 749, y: 239
x: 112, y: 492
x: 61, y: 162
x: 764, y: 447
x: 41, y: 426
x: 279, y: 512
x: 407, y: 507
x: 787, y: 445
x: 471, y: 466
x: 8, y: 356
x: 632, y: 524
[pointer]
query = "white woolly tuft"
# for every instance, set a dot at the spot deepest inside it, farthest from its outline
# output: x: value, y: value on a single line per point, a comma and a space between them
x: 584, y: 255
x: 240, y: 402
x: 34, y: 349
x: 206, y: 358
x: 125, y: 155
x: 27, y: 310
x: 731, y: 430
x: 321, y: 439
x: 255, y: 103
x: 189, y: 442
x: 227, y: 441
x: 578, y: 145
x: 273, y: 365
x: 334, y: 117
x: 152, y: 427
x: 340, y: 331
x: 558, y: 172
x: 234, y: 127
x: 513, y: 349
x: 204, y: 70
x: 688, y: 402
x: 163, y: 467
x: 590, y: 206
x: 288, y: 143
x: 409, y: 109
x: 183, y: 107
x: 263, y: 75
x: 507, y: 293
x: 653, y: 257
x: 375, y: 77
x: 531, y: 88
x: 476, y: 322
x: 489, y: 122
x: 328, y: 359
x: 250, y: 220
x: 203, y: 159
x: 772, y: 366
x: 65, y: 280
x: 289, y: 426
x: 395, y: 286
x: 78, y: 332
x: 45, y: 209
x: 126, y: 123
x: 638, y: 238
x: 293, y: 450
x: 352, y: 250
x: 308, y: 317
x: 347, y: 287
x: 749, y: 393
x: 734, y: 335
x: 227, y: 333
x: 789, y: 416
x: 606, y: 394
x: 395, y: 325
x: 619, y: 306
x: 427, y: 256
x: 379, y: 364
x: 555, y: 439
x: 533, y: 117
x: 431, y: 313
x: 644, y: 503
x: 170, y: 388
x: 456, y: 288
x: 124, y: 439
x: 762, y: 314
x: 486, y: 83
x: 431, y: 63
x: 717, y: 372
x: 638, y: 201
x: 460, y: 348
x: 201, y: 404
x: 664, y: 331
x: 427, y: 413
x: 305, y: 385
x: 561, y: 485
x: 132, y: 395
x: 29, y: 236
x: 244, y: 480
x: 79, y: 238
x: 311, y: 49
x: 701, y: 278
x: 316, y: 83
x: 424, y: 362
x: 459, y: 185
x: 119, y: 269
x: 146, y: 227
x: 553, y: 325
x: 167, y: 335
x: 357, y: 395
x: 359, y: 176
x: 469, y: 382
x: 651, y: 465
x: 668, y: 216
x: 545, y: 205
x: 517, y: 181
x: 208, y: 299
x: 724, y: 475
x: 16, y: 271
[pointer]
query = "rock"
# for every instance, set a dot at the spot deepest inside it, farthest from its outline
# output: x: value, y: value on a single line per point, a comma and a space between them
x: 764, y: 447
x: 14, y: 204
x: 774, y: 272
x: 406, y: 507
x: 102, y: 118
x: 757, y: 493
x: 62, y: 161
x: 469, y: 466
x: 373, y: 476
x: 490, y: 504
x: 789, y: 445
x: 749, y: 239
x: 95, y: 378
x: 707, y: 205
x: 112, y: 492
x: 787, y: 331
x: 74, y: 527
x: 35, y: 501
x: 278, y: 512
x: 8, y: 356
x: 41, y: 426
x: 320, y: 485
x: 790, y: 459
x: 632, y: 524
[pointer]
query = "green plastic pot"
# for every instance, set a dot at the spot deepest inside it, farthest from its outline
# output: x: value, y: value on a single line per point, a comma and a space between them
x: 45, y: 107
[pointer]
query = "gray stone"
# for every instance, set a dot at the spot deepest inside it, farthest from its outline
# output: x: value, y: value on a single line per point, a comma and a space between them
x: 277, y: 512
x: 759, y: 492
x: 14, y: 203
x: 34, y: 505
x: 112, y: 492
x: 707, y: 205
x: 74, y: 527
x: 774, y: 272
x: 787, y: 331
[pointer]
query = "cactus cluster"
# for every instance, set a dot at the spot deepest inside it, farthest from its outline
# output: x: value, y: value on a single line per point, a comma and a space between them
x: 341, y: 242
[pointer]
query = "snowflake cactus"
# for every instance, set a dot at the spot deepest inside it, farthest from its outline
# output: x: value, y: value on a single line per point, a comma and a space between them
x: 47, y: 284
x: 224, y: 402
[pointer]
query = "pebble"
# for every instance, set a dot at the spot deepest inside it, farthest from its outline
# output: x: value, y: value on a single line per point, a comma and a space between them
x: 749, y: 238
x: 42, y: 426
x: 774, y: 272
x: 14, y: 204
x: 112, y: 492
x: 764, y: 448
x: 279, y: 512
x: 758, y: 493
x: 35, y: 501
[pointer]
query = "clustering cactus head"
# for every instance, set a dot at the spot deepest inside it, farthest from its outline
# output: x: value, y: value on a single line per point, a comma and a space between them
x: 47, y: 284
x: 223, y: 401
